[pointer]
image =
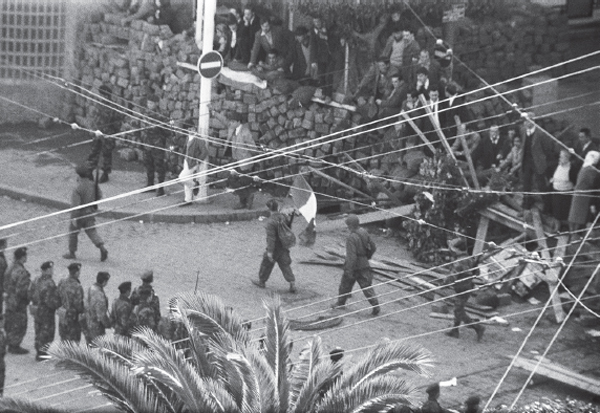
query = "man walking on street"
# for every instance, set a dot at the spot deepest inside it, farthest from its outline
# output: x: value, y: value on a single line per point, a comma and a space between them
x: 276, y: 252
x: 97, y: 320
x: 16, y: 286
x: 359, y: 249
x: 71, y: 297
x: 121, y: 315
x: 463, y: 285
x: 45, y: 300
x: 83, y: 218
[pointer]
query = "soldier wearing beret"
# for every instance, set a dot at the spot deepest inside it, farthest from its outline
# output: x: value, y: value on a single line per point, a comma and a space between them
x: 121, y: 314
x: 359, y: 249
x: 156, y: 140
x: 108, y: 122
x: 147, y: 279
x: 16, y: 286
x: 83, y: 218
x: 276, y: 252
x: 96, y: 311
x: 45, y: 300
x: 3, y: 268
x: 472, y: 404
x: 71, y: 295
x: 144, y: 313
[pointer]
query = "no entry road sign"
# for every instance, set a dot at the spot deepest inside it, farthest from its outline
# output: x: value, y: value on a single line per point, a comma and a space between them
x: 210, y: 64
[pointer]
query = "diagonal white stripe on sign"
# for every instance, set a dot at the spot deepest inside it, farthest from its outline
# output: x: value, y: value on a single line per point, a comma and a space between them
x: 210, y: 65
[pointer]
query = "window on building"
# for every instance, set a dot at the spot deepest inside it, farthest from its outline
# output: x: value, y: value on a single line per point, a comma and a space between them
x: 32, y: 37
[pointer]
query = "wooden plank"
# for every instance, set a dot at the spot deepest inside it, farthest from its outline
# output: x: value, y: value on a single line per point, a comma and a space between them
x: 418, y: 131
x: 338, y: 182
x: 481, y: 235
x: 552, y: 273
x: 561, y: 246
x: 560, y: 368
x: 463, y: 141
x: 549, y: 371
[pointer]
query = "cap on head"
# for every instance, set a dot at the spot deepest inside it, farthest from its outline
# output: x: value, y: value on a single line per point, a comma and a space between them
x: 336, y: 354
x: 473, y: 401
x: 148, y: 276
x: 47, y: 265
x: 433, y: 389
x: 20, y: 253
x: 124, y: 287
x: 74, y: 267
x: 352, y: 221
x: 273, y: 205
x: 102, y: 277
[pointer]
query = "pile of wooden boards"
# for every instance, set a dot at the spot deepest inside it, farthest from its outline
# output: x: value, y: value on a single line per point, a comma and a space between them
x: 403, y: 273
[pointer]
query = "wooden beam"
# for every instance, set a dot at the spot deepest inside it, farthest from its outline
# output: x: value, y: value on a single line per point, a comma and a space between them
x: 463, y: 141
x: 418, y: 131
x: 551, y: 274
x: 340, y: 183
x: 548, y: 370
x: 482, y: 230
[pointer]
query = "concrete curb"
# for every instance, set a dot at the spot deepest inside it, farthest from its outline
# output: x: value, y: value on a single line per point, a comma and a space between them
x: 207, y: 218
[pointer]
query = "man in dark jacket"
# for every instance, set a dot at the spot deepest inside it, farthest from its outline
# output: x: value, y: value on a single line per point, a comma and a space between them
x: 147, y: 280
x: 156, y: 140
x: 276, y: 252
x: 71, y: 297
x: 359, y: 249
x: 45, y: 300
x: 246, y: 35
x: 83, y: 218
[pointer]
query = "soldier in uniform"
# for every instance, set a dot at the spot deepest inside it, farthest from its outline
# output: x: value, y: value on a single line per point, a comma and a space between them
x: 3, y: 343
x: 45, y: 300
x: 144, y: 313
x: 147, y: 279
x: 16, y: 286
x: 108, y: 122
x: 154, y: 155
x: 121, y: 315
x: 463, y: 285
x: 432, y: 405
x: 83, y: 218
x: 71, y: 295
x: 3, y: 268
x: 275, y: 252
x: 244, y: 186
x: 356, y: 267
x: 97, y: 320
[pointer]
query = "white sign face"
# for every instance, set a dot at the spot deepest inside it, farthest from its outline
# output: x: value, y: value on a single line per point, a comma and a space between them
x: 210, y: 64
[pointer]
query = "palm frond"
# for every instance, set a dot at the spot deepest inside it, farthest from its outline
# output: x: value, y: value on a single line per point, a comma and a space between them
x: 386, y: 358
x: 108, y: 374
x: 118, y: 346
x: 216, y: 314
x: 321, y: 378
x: 16, y: 405
x: 167, y: 365
x: 250, y: 384
x: 277, y: 350
x: 367, y: 397
x: 266, y: 378
x: 198, y: 349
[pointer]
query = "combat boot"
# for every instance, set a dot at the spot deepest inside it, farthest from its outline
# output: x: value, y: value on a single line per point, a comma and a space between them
x: 103, y: 177
x: 293, y: 289
x: 479, y: 329
x: 160, y: 191
x: 69, y: 256
x: 259, y: 283
x: 149, y: 182
x: 453, y: 332
x: 17, y: 350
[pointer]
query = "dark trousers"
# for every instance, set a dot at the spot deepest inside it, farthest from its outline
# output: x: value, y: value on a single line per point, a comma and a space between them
x: 15, y: 325
x: 364, y: 278
x: 101, y: 147
x: 283, y: 259
x: 460, y: 313
x: 89, y: 226
x: 154, y: 161
x: 532, y: 181
x: 45, y: 328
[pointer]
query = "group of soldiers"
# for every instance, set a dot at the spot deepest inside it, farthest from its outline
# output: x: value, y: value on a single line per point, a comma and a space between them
x: 77, y: 313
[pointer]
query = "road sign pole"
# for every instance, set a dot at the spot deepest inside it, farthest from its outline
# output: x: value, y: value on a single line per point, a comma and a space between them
x: 208, y: 26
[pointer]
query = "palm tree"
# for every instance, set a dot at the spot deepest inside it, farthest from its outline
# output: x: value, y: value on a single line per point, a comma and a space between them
x: 220, y: 369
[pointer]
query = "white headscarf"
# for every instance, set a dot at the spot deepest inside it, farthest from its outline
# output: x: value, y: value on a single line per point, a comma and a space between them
x: 591, y: 158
